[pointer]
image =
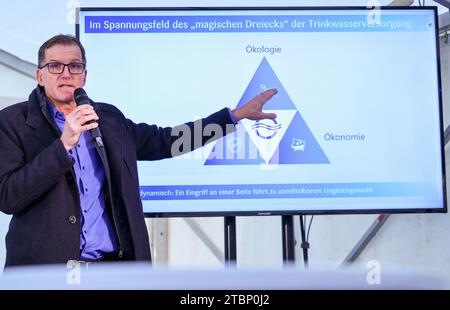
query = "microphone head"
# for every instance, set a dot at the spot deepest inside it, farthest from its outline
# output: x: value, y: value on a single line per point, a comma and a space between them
x: 80, y: 96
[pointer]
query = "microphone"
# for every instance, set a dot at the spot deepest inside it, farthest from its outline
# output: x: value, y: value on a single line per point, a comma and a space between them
x: 81, y: 97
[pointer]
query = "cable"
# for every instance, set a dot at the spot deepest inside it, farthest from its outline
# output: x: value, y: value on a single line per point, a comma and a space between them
x: 309, y: 228
x: 304, y: 245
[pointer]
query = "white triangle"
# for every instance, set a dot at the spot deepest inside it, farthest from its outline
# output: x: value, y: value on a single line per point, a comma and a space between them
x: 267, y: 134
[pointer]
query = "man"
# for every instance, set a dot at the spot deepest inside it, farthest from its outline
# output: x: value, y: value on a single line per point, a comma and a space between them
x: 71, y: 198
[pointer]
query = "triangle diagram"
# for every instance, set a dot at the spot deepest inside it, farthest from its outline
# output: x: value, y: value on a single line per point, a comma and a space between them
x: 285, y: 140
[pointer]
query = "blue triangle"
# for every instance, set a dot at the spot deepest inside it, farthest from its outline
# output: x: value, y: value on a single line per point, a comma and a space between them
x: 299, y: 146
x: 224, y: 154
x: 265, y: 78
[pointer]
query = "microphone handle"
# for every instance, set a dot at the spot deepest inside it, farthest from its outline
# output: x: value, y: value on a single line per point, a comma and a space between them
x: 80, y: 98
x: 97, y: 136
x: 95, y: 133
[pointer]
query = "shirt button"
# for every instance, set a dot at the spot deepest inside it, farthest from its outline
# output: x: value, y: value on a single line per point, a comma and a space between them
x: 72, y: 219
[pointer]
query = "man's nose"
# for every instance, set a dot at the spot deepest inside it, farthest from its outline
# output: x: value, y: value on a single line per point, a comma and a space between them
x: 66, y: 72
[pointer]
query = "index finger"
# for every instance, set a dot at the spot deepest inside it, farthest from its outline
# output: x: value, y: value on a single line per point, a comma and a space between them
x: 84, y: 108
x: 267, y: 94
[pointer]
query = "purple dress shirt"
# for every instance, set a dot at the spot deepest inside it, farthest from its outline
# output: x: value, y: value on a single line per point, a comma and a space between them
x: 97, y: 234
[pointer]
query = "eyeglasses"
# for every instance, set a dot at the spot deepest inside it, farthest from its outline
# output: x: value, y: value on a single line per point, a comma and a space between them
x: 58, y: 67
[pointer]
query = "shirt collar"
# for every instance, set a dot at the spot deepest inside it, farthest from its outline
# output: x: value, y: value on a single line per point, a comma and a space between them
x: 54, y: 112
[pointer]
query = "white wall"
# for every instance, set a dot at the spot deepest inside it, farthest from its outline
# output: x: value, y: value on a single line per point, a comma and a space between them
x: 258, y: 242
x: 14, y: 85
x: 15, y: 88
x: 185, y: 248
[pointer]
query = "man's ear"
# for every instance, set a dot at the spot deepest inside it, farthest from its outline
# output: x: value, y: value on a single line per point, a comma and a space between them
x: 39, y: 78
x: 84, y: 80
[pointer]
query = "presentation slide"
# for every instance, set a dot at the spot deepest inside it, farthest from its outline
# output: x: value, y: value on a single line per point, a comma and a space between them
x: 359, y: 121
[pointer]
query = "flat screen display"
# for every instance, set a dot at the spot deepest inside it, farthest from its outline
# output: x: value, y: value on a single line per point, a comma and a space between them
x: 359, y: 121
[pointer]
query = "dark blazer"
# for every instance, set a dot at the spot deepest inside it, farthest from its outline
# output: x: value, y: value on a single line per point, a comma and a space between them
x: 37, y: 180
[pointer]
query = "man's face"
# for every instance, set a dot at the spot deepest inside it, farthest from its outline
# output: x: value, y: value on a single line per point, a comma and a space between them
x: 60, y: 87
